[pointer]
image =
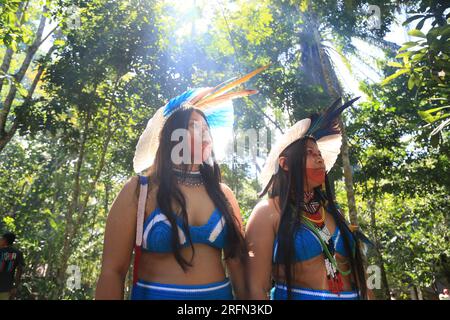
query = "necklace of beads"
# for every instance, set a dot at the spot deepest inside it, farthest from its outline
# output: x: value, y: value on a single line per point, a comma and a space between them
x: 188, y: 178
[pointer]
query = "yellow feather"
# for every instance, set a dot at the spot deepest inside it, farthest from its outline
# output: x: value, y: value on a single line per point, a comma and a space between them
x: 234, y: 83
x: 225, y: 97
x: 200, y: 96
x: 207, y: 91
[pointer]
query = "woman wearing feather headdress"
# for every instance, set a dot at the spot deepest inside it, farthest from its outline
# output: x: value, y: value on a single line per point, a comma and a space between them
x: 186, y: 218
x: 297, y: 237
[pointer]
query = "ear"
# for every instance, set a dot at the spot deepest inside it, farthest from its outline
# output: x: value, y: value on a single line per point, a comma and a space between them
x: 282, y: 162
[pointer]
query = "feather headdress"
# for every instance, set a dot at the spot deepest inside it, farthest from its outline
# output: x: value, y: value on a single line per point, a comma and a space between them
x: 324, y: 128
x: 215, y: 102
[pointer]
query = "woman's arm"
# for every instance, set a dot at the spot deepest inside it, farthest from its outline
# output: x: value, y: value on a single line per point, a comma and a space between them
x: 259, y: 236
x: 118, y: 243
x: 235, y: 265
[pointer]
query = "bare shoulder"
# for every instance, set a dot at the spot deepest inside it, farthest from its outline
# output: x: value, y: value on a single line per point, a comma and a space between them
x: 131, y: 183
x: 126, y: 200
x: 229, y: 194
x: 226, y: 189
x: 266, y: 208
x: 264, y: 214
x: 128, y: 192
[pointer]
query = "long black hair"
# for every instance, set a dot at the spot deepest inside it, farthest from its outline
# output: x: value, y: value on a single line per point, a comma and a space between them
x: 288, y: 186
x: 161, y: 175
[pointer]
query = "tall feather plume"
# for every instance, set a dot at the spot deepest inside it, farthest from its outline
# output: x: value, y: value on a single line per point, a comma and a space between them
x: 201, y: 95
x: 227, y: 86
x: 224, y: 97
x: 327, y: 122
x: 206, y: 97
x: 175, y: 103
x: 208, y: 91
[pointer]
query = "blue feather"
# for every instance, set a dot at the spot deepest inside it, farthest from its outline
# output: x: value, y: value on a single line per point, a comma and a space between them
x: 220, y: 116
x: 176, y: 102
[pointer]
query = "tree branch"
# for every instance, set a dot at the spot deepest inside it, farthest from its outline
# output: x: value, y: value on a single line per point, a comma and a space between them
x: 20, y: 74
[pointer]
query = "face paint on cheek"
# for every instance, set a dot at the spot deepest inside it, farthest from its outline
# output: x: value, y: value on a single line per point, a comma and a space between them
x: 316, y: 176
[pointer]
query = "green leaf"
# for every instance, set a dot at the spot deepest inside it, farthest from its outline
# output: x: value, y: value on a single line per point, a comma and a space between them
x: 418, y: 81
x: 411, y: 81
x: 428, y: 117
x: 53, y: 224
x: 22, y: 91
x: 410, y: 19
x: 13, y: 45
x: 393, y: 76
x: 59, y: 42
x: 437, y: 109
x: 304, y: 4
x: 408, y: 45
x: 9, y: 222
x: 416, y: 33
x: 421, y: 22
x: 418, y: 56
x: 395, y: 64
x: 128, y: 76
x: 404, y: 54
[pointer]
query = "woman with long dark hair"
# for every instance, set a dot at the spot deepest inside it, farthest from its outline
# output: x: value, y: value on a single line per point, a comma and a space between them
x: 187, y: 221
x: 297, y: 238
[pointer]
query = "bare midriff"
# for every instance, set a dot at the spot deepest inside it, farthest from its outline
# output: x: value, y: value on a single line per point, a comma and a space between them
x: 311, y: 274
x: 207, y: 266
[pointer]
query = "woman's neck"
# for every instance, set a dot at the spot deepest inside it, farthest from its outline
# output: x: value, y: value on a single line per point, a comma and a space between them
x: 192, y: 168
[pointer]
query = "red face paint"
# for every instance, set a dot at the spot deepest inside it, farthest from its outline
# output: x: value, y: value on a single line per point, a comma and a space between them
x: 315, y: 175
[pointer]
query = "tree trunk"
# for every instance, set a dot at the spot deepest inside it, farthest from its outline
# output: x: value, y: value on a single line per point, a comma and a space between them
x: 5, y: 136
x: 4, y: 68
x: 413, y: 293
x: 18, y: 77
x: 4, y: 140
x: 419, y: 293
x: 73, y: 207
x: 348, y: 177
x: 378, y: 255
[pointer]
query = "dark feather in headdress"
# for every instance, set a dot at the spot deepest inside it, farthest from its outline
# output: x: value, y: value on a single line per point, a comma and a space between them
x: 327, y: 123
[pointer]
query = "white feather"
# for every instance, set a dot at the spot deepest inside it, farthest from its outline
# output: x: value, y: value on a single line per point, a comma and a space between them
x: 329, y: 146
x: 148, y: 142
x: 294, y: 133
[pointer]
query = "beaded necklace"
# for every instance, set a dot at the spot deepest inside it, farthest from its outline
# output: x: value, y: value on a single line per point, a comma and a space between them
x: 318, y: 227
x: 188, y: 178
